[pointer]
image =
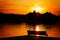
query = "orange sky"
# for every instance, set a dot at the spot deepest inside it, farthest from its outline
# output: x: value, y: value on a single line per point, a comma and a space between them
x: 25, y: 6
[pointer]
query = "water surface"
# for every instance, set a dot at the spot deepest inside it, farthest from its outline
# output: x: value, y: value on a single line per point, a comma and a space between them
x: 9, y: 30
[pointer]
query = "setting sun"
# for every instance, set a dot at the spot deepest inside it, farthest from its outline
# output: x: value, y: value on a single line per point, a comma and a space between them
x: 38, y: 9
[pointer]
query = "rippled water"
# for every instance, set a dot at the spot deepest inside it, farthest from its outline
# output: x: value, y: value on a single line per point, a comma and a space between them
x: 8, y: 30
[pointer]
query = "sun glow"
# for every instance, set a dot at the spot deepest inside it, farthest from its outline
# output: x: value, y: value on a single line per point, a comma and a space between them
x: 37, y: 28
x: 38, y: 9
x: 40, y: 28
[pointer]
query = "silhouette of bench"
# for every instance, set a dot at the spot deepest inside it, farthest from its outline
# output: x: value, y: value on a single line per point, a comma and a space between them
x: 37, y: 33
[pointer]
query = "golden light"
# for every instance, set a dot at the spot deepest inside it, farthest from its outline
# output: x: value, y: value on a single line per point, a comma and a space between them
x: 37, y: 28
x: 38, y: 9
x: 40, y: 28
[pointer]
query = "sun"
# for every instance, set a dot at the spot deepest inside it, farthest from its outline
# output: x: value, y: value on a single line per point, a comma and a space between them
x: 38, y: 9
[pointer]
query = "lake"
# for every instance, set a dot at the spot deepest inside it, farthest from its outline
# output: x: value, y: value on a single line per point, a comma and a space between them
x: 10, y: 30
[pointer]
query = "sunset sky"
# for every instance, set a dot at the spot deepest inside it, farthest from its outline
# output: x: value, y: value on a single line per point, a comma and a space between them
x: 25, y: 6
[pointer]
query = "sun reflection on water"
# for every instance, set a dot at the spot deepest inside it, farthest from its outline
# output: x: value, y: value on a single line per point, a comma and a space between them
x: 37, y: 28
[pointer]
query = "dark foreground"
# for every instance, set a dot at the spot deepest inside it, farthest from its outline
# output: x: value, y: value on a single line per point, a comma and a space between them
x: 29, y: 38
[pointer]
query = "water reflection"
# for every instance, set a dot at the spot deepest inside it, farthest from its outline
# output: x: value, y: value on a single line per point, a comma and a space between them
x: 39, y: 27
x: 7, y: 30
